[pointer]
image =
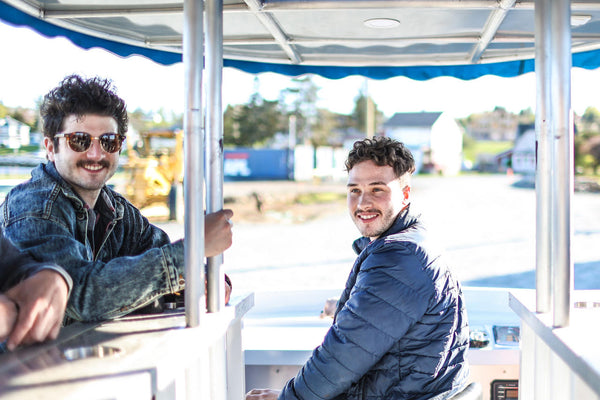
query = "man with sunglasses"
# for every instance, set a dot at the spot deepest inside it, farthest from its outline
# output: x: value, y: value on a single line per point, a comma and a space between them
x: 66, y: 214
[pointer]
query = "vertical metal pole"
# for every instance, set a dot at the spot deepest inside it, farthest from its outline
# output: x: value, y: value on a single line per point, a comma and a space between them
x: 292, y: 134
x: 214, y: 139
x: 563, y: 142
x: 214, y: 181
x: 544, y: 162
x: 369, y: 112
x: 194, y: 163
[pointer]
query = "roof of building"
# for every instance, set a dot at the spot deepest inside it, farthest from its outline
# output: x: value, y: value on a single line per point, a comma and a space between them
x: 413, y: 119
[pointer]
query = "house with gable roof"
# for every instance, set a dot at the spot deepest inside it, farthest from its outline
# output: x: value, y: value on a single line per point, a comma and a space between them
x: 13, y: 133
x: 434, y: 138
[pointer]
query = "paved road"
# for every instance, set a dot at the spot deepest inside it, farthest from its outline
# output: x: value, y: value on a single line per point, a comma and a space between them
x: 486, y: 225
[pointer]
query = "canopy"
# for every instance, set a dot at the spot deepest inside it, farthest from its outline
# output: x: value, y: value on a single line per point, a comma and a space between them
x: 419, y: 39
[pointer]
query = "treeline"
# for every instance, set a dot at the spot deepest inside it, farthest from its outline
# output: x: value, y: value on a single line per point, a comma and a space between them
x: 294, y: 116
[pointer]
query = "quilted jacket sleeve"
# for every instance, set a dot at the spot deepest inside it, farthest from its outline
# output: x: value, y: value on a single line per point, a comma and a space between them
x: 389, y: 296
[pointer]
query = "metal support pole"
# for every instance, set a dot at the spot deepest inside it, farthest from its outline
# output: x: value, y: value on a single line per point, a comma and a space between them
x: 544, y: 162
x: 195, y: 302
x: 563, y: 150
x: 554, y: 181
x: 214, y: 140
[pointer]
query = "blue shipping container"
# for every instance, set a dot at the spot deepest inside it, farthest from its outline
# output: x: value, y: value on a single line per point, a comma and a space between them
x: 257, y: 164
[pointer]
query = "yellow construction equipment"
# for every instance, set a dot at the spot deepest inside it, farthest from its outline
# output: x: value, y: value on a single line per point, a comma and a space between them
x: 155, y: 167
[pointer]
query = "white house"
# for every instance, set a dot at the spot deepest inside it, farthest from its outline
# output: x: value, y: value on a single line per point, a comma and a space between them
x: 13, y: 133
x: 434, y: 138
x: 523, y: 157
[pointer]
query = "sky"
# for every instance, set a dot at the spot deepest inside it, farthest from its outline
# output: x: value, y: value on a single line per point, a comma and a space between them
x: 31, y: 65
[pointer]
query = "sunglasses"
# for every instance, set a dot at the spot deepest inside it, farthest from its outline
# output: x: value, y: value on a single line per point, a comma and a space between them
x: 81, y: 141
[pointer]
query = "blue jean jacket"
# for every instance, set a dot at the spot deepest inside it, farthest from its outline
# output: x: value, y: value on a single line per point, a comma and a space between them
x: 134, y: 265
x: 16, y: 266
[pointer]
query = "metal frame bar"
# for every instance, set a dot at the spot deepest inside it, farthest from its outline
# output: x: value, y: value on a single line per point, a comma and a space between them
x: 494, y: 21
x: 193, y: 50
x: 563, y: 150
x: 357, y: 41
x: 214, y: 140
x: 83, y: 11
x: 554, y: 130
x: 544, y: 160
x: 274, y: 29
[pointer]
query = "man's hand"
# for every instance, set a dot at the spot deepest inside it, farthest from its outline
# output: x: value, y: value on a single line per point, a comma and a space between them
x: 228, y: 288
x: 42, y: 299
x: 217, y: 232
x: 262, y: 394
x: 8, y: 316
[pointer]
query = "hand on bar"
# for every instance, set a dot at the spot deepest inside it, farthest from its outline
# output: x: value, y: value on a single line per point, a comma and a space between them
x: 217, y: 232
x: 41, y: 301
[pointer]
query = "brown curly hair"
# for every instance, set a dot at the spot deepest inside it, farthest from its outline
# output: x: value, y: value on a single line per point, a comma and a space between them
x: 382, y: 151
x: 77, y: 96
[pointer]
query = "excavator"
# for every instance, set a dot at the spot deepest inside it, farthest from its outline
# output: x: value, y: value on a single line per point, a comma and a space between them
x: 155, y: 167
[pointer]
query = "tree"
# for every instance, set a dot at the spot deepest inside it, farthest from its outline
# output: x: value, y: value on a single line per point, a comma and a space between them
x: 140, y: 120
x: 587, y: 151
x: 251, y: 124
x: 526, y: 116
x: 594, y: 151
x: 18, y: 115
x: 359, y: 114
x: 590, y: 116
x: 325, y: 128
x: 3, y: 110
x: 301, y: 101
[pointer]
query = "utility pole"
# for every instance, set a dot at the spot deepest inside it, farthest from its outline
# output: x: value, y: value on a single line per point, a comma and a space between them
x: 370, y: 112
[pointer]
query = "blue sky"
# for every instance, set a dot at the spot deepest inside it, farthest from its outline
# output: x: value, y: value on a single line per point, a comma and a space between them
x: 33, y: 64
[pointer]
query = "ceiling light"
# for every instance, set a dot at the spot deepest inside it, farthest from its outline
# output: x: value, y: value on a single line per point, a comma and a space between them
x: 382, y: 23
x: 578, y: 20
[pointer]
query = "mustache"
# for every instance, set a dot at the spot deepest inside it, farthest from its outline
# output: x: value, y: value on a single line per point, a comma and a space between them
x: 102, y: 163
x: 370, y: 210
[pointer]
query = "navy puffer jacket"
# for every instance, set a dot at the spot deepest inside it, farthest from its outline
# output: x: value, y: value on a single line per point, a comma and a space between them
x: 400, y: 329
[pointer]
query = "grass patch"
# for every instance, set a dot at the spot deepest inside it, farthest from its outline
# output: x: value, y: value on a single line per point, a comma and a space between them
x: 22, y: 150
x: 319, y: 198
x: 478, y: 147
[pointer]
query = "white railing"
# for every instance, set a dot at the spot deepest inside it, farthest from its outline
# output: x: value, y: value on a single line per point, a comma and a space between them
x: 135, y: 357
x: 559, y: 363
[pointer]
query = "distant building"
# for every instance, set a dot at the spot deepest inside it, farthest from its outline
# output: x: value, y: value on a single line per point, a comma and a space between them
x: 497, y: 125
x: 13, y: 133
x: 434, y: 138
x: 523, y: 155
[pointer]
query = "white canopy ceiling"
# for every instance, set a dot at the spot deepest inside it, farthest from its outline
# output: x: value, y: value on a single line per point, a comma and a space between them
x: 420, y: 39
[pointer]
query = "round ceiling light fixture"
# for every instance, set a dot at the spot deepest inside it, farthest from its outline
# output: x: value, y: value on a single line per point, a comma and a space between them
x: 382, y: 23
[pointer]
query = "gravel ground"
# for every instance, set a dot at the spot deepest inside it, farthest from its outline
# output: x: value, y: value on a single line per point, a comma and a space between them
x: 485, y: 223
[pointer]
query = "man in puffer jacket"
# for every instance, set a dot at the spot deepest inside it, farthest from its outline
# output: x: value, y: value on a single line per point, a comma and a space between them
x: 400, y: 328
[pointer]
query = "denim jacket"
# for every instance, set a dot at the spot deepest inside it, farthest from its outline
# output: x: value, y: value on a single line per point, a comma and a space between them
x: 16, y: 266
x: 134, y: 265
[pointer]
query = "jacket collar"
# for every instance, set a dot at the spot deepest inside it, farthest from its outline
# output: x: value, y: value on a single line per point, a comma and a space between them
x: 403, y: 221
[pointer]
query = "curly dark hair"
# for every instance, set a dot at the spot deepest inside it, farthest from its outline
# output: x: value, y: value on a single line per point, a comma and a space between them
x: 77, y: 96
x: 382, y: 151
